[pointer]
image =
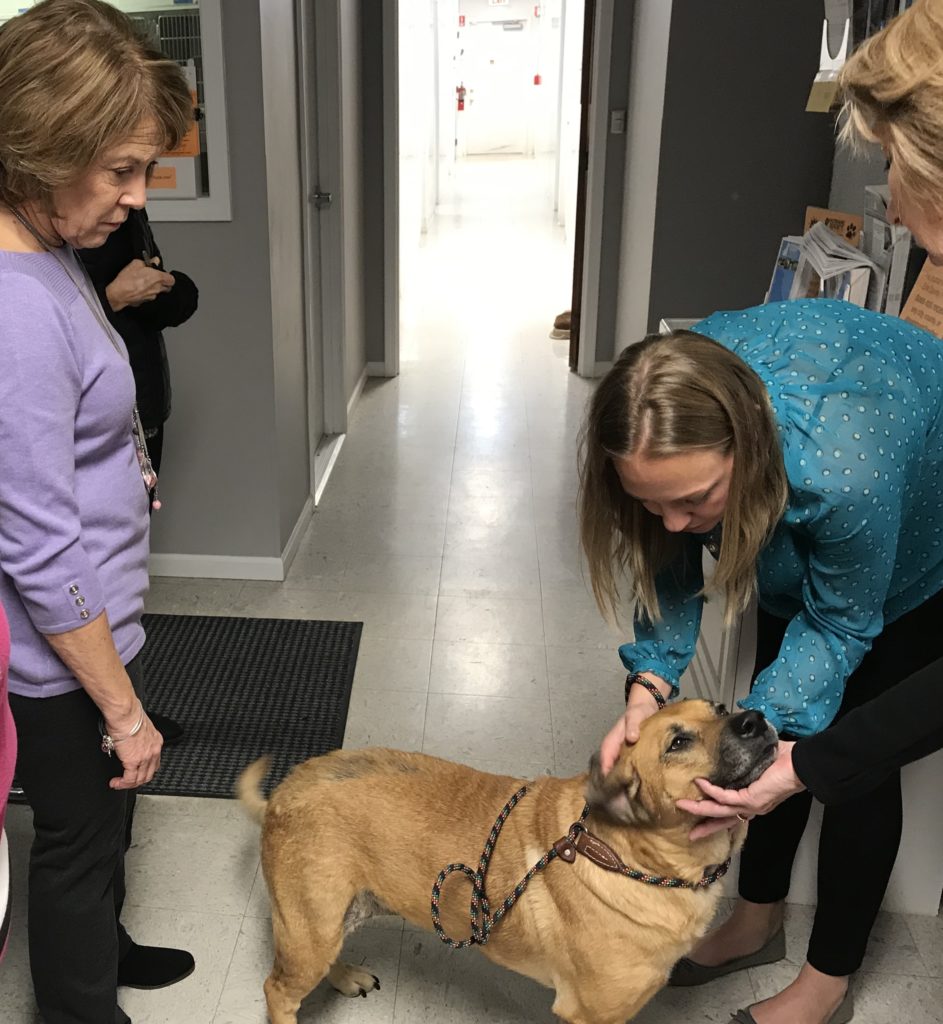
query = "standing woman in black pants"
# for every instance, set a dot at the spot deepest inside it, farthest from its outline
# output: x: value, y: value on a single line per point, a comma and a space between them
x: 86, y: 108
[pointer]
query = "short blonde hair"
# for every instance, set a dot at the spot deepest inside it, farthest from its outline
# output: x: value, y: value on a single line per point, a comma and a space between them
x: 75, y: 80
x: 665, y: 396
x: 893, y: 94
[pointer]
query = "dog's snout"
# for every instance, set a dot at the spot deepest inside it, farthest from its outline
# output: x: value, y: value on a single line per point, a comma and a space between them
x: 749, y: 725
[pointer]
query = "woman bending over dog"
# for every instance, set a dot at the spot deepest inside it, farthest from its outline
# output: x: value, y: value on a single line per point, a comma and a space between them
x: 801, y: 443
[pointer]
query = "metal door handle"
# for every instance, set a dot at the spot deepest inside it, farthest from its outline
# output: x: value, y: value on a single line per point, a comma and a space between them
x: 322, y: 200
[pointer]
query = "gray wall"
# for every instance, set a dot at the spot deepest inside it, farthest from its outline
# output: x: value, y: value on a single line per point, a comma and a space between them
x: 235, y: 472
x: 219, y: 475
x: 740, y: 157
x: 852, y: 171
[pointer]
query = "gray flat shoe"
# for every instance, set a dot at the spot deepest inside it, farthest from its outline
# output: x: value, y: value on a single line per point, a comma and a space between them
x: 687, y: 972
x: 844, y: 1013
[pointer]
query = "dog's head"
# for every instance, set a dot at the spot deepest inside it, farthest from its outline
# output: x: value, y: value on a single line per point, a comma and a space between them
x: 689, y: 740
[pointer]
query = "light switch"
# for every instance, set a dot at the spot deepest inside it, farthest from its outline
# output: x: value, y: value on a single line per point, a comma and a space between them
x: 617, y: 122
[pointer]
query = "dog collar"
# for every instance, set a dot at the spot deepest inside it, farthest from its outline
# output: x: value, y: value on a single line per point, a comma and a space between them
x: 580, y: 840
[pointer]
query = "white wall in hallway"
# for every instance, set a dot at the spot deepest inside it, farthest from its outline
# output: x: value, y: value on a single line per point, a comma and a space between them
x: 570, y: 112
x: 417, y: 123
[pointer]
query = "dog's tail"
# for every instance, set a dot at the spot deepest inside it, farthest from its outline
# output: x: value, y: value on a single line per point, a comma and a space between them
x: 249, y: 789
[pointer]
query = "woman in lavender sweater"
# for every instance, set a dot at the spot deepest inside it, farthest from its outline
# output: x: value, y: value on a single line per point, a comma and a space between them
x: 85, y: 110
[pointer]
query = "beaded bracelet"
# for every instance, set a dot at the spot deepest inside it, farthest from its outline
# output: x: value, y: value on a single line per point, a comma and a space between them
x: 110, y: 742
x: 633, y: 678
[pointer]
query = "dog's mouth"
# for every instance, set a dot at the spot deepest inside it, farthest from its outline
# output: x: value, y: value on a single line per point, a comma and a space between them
x: 739, y: 776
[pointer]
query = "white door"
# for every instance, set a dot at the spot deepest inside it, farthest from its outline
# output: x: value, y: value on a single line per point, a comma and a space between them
x: 496, y: 71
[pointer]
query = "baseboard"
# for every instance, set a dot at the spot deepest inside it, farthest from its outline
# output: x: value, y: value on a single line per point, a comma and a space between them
x: 294, y: 541
x: 376, y: 370
x: 324, y: 461
x: 355, y: 394
x: 217, y: 567
x: 601, y: 369
x: 235, y: 567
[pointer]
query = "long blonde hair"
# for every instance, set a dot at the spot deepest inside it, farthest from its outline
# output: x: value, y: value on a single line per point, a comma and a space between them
x: 893, y: 94
x: 665, y: 396
x: 76, y: 79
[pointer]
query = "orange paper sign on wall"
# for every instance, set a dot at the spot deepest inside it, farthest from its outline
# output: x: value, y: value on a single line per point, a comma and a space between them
x: 163, y: 177
x: 190, y: 143
x: 924, y: 306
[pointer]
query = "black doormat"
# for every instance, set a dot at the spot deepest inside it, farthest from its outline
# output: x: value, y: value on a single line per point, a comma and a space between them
x: 242, y: 688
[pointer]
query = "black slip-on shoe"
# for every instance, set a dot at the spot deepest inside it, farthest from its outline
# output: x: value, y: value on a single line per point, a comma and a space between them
x: 687, y: 972
x: 844, y: 1013
x: 154, y: 967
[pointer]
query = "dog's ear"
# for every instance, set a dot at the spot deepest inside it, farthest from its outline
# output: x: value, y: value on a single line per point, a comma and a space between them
x: 617, y: 794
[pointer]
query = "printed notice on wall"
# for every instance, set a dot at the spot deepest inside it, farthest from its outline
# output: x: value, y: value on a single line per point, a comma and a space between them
x: 924, y: 307
x: 163, y: 177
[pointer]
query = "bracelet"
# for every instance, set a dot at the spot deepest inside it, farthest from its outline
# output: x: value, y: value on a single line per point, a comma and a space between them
x: 635, y: 678
x: 110, y: 742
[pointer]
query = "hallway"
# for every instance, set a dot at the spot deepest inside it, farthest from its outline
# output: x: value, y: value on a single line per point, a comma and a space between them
x: 449, y: 529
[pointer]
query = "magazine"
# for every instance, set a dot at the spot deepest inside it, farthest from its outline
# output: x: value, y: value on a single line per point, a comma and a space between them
x: 831, y: 268
x: 888, y: 245
x: 787, y: 260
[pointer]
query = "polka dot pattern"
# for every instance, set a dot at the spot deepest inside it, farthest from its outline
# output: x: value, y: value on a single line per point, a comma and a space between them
x: 858, y: 398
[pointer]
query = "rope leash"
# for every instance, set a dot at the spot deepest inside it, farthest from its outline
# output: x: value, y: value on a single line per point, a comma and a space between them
x: 577, y: 840
x: 482, y: 920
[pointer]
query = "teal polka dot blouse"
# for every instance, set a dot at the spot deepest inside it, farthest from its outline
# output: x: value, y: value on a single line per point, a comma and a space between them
x: 858, y: 397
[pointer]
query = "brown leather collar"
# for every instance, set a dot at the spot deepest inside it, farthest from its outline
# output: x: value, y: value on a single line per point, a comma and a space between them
x: 580, y: 840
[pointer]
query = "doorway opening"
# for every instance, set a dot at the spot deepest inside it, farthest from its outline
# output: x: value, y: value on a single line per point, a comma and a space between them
x: 492, y: 98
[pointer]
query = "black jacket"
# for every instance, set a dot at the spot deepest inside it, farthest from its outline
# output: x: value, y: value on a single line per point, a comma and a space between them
x: 853, y: 756
x: 141, y: 326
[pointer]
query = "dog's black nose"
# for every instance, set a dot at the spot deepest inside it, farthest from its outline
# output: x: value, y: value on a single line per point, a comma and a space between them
x: 749, y: 725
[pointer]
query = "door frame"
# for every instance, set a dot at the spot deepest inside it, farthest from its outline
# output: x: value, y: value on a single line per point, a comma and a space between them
x: 598, y: 128
x: 319, y: 104
x: 591, y: 197
x: 390, y: 84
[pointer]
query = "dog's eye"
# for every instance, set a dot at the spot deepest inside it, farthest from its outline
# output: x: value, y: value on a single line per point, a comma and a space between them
x: 721, y: 710
x: 679, y: 743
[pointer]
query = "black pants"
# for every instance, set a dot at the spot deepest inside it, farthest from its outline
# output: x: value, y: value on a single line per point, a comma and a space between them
x: 860, y: 838
x: 76, y: 871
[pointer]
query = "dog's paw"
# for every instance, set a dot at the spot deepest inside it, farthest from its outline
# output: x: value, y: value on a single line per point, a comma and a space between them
x: 352, y: 981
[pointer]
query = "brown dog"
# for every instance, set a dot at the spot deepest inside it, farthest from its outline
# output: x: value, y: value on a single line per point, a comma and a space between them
x: 367, y: 831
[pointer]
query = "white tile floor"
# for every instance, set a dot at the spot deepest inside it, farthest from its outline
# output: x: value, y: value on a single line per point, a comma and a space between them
x: 449, y: 529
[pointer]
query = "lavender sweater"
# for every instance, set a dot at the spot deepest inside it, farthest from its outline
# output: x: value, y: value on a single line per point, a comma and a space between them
x: 73, y: 509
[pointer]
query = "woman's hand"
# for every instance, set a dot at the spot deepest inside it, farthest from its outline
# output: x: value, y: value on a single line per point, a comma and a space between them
x: 136, y: 284
x: 728, y: 807
x: 641, y: 705
x: 139, y: 754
